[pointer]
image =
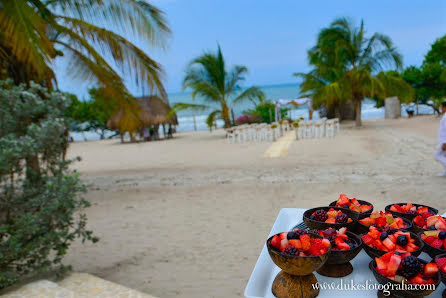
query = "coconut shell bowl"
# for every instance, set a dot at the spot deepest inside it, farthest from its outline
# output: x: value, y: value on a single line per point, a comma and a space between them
x: 383, y: 280
x: 376, y: 253
x: 407, y: 215
x: 442, y: 274
x: 296, y: 277
x: 361, y: 214
x: 432, y: 251
x: 320, y: 225
x: 338, y: 263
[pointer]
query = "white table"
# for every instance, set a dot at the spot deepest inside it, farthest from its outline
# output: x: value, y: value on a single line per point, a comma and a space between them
x: 262, y: 277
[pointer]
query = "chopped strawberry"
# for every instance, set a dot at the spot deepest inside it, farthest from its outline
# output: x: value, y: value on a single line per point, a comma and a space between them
x: 296, y: 243
x: 380, y: 222
x: 342, y: 231
x: 342, y: 201
x: 430, y: 269
x: 355, y: 202
x: 326, y: 243
x: 354, y: 208
x: 367, y: 239
x: 389, y: 244
x: 422, y: 210
x: 418, y: 279
x: 365, y: 208
x: 392, y: 266
x: 341, y: 244
x: 283, y: 235
x: 331, y: 220
x: 275, y: 241
x: 305, y: 240
x: 426, y: 215
x: 437, y: 243
x: 430, y: 239
x: 441, y: 262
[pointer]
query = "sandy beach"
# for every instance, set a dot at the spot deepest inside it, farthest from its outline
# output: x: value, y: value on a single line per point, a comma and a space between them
x: 188, y: 217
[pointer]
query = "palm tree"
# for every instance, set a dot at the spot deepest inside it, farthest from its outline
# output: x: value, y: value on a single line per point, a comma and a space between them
x: 348, y: 66
x: 34, y: 33
x: 208, y: 78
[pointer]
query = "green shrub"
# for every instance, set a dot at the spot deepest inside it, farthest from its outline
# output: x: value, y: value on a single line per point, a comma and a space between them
x: 263, y: 111
x: 40, y: 198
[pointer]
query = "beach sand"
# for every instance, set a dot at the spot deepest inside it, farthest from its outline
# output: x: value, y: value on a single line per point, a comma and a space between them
x: 188, y: 217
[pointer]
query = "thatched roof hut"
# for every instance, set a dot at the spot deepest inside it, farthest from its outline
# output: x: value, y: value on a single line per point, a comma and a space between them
x: 153, y: 111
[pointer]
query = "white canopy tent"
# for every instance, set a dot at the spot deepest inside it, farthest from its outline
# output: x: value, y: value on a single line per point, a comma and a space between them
x: 295, y: 102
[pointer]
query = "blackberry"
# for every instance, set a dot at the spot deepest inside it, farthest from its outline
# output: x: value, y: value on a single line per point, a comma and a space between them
x: 291, y: 250
x: 330, y: 232
x: 389, y: 230
x: 383, y: 236
x: 320, y: 215
x: 315, y: 231
x: 332, y: 241
x: 442, y: 235
x: 342, y: 218
x: 296, y: 234
x: 351, y: 243
x: 410, y: 266
x: 432, y: 228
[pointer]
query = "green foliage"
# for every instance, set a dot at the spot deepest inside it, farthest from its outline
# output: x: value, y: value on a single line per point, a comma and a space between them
x: 263, y: 110
x: 40, y: 198
x: 34, y: 33
x: 429, y: 80
x: 346, y: 67
x: 92, y: 115
x: 208, y: 78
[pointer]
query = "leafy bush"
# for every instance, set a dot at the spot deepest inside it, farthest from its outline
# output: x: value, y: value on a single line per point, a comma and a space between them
x: 247, y: 119
x: 39, y: 196
x: 263, y: 111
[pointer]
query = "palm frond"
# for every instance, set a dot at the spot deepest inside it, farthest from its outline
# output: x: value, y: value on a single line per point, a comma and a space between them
x: 212, y: 117
x: 252, y: 94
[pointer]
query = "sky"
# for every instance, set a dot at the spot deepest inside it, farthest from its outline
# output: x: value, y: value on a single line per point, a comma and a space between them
x: 271, y: 37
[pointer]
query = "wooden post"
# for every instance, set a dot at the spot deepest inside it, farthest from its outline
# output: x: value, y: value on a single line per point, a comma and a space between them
x: 233, y: 117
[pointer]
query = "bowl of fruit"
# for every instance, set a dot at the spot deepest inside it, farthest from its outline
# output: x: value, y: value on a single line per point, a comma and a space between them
x: 434, y: 242
x: 392, y: 268
x: 377, y: 243
x: 322, y: 218
x: 440, y: 260
x: 422, y: 223
x: 362, y: 207
x: 409, y: 210
x: 381, y: 220
x: 344, y: 247
x: 298, y: 252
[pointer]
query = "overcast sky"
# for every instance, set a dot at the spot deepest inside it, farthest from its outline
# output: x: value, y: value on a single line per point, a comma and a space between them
x: 271, y: 37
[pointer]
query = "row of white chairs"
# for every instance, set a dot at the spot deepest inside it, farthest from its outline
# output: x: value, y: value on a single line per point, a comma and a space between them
x: 265, y: 132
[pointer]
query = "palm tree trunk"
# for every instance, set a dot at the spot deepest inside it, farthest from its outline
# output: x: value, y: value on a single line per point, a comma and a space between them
x: 358, y: 112
x: 225, y: 115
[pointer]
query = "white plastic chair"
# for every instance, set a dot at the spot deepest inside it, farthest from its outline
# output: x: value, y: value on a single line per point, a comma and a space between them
x: 330, y: 128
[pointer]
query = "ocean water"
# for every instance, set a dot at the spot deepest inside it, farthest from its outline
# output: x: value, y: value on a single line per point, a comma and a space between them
x: 187, y: 119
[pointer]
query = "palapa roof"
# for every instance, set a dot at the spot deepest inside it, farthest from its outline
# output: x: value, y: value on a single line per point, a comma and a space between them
x: 153, y: 111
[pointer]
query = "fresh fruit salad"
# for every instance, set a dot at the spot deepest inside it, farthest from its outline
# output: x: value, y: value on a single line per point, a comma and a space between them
x: 392, y: 240
x: 435, y: 238
x: 339, y: 239
x: 381, y: 219
x: 330, y: 216
x: 352, y: 204
x: 299, y: 243
x: 406, y: 267
x: 435, y: 222
x: 441, y: 263
x: 410, y: 208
